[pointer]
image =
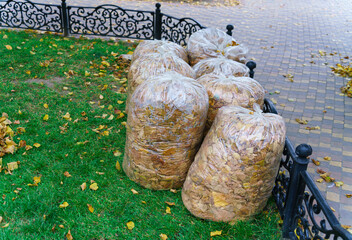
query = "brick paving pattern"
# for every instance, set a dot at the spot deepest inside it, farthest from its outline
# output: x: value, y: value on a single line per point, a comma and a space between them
x: 285, y: 37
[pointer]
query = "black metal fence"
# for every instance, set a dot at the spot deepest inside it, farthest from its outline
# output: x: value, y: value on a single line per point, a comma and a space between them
x: 103, y: 20
x: 305, y: 213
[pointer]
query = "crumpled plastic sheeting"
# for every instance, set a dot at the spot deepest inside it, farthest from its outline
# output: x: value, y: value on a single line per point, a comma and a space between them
x: 154, y: 46
x: 166, y: 119
x: 230, y: 91
x: 219, y: 66
x: 234, y: 171
x: 212, y: 43
x: 154, y: 64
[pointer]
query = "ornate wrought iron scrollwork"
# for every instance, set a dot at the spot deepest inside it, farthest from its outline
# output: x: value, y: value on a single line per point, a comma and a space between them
x: 111, y: 20
x: 28, y: 15
x: 178, y: 30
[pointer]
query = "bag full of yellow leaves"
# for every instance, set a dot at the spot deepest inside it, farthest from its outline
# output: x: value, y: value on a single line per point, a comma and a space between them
x: 230, y: 91
x: 6, y: 134
x: 154, y: 64
x: 154, y: 46
x: 221, y: 65
x: 166, y: 119
x: 213, y: 43
x: 234, y: 171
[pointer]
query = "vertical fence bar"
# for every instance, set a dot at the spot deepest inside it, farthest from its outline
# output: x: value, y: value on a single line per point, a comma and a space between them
x: 296, y: 188
x: 157, y: 22
x: 64, y: 17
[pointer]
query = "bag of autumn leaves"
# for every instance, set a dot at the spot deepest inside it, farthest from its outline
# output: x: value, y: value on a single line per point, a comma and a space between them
x: 234, y: 171
x: 166, y: 119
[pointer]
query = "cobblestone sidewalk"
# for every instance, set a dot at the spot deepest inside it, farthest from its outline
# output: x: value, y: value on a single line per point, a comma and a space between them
x: 301, y: 38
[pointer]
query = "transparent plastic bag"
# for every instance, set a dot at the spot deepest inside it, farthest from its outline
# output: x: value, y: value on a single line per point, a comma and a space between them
x: 154, y: 64
x: 219, y: 66
x: 154, y: 46
x: 166, y: 119
x: 235, y: 169
x: 212, y: 43
x: 230, y: 91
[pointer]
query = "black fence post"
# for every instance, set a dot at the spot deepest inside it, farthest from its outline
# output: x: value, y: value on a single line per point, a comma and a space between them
x: 157, y: 22
x: 64, y: 17
x: 296, y: 188
x: 251, y: 65
x: 229, y: 29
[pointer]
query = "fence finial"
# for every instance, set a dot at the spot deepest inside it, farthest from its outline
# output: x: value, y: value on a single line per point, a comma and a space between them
x: 229, y: 29
x: 158, y: 5
x: 304, y: 150
x: 251, y: 65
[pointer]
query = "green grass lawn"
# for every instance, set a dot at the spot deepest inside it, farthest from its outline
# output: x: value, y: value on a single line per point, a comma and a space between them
x: 87, y: 79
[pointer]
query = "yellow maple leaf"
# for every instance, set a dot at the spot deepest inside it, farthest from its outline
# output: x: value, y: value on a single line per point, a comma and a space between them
x: 327, y: 158
x: 8, y: 47
x: 46, y: 105
x: 110, y: 107
x: 46, y: 117
x: 67, y: 174
x: 64, y: 205
x: 37, y: 145
x: 130, y: 225
x: 119, y: 102
x: 94, y: 186
x: 163, y: 236
x: 215, y: 233
x: 90, y: 208
x: 86, y: 73
x: 339, y: 184
x: 28, y: 72
x: 36, y: 180
x: 84, y: 186
x: 168, y: 210
x: 111, y: 117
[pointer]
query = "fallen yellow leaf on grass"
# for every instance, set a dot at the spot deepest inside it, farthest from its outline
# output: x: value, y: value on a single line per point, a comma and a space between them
x: 12, y: 166
x: 46, y: 105
x: 168, y: 210
x: 28, y: 72
x: 118, y: 166
x: 111, y: 117
x: 90, y: 208
x: 117, y: 153
x: 163, y: 236
x: 215, y: 233
x: 134, y: 191
x: 69, y: 236
x: 8, y: 47
x: 170, y: 203
x: 6, y: 225
x: 130, y: 225
x: 64, y: 205
x: 67, y: 174
x: 119, y: 102
x: 67, y: 117
x: 36, y: 179
x: 46, y: 117
x: 0, y: 219
x: 84, y: 186
x: 37, y: 145
x: 87, y: 74
x: 94, y: 186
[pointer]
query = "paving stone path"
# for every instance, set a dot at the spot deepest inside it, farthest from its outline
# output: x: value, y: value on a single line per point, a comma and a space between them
x: 284, y: 37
